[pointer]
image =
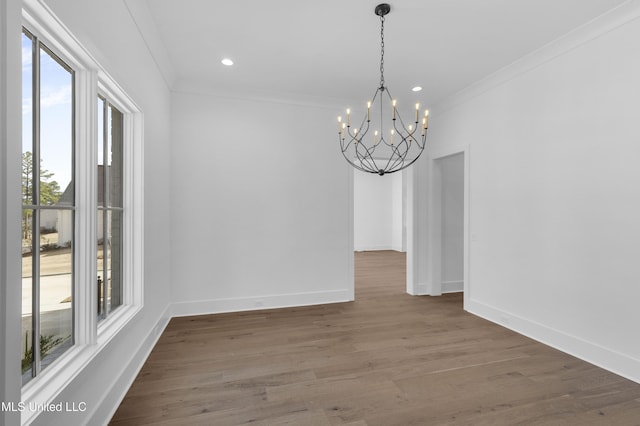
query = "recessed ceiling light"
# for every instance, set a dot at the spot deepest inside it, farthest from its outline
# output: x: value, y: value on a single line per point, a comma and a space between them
x: 417, y: 89
x: 226, y: 61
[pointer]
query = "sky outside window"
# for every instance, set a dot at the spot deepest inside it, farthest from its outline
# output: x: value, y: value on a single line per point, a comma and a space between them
x: 56, y: 106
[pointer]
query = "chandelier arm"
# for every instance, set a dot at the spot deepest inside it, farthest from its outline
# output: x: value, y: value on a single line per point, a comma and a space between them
x: 396, y: 156
x: 387, y: 166
x: 390, y: 100
x: 373, y: 103
x: 349, y: 133
x: 375, y: 96
x: 424, y: 139
x: 363, y: 167
x: 409, y: 163
x: 403, y: 128
x: 356, y: 166
x: 370, y: 161
x: 399, y: 158
x: 364, y: 128
x: 412, y: 160
x: 345, y: 148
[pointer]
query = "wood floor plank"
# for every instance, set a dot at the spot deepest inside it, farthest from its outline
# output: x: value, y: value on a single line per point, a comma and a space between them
x: 386, y: 359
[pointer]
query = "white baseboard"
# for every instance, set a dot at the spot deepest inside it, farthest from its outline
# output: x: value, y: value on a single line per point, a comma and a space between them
x: 452, y: 286
x: 425, y: 289
x: 602, y: 357
x: 111, y: 400
x: 372, y: 248
x: 216, y: 306
x: 421, y: 289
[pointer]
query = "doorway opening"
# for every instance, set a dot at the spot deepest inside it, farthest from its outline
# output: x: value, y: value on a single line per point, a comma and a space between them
x: 452, y: 222
x: 379, y: 225
x: 448, y: 223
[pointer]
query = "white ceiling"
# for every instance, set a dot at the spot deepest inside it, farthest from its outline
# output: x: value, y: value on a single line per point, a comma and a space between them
x: 331, y: 48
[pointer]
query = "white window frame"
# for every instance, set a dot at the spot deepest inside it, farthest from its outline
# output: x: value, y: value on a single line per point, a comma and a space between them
x: 90, y: 336
x: 34, y: 204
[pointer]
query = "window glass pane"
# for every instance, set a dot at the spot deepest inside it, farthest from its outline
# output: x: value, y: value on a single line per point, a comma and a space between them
x: 102, y: 263
x: 115, y: 156
x: 56, y: 283
x: 47, y: 234
x: 56, y: 131
x: 100, y: 126
x: 114, y: 249
x: 27, y: 301
x: 101, y: 171
x: 27, y: 120
x: 110, y: 200
x: 27, y: 214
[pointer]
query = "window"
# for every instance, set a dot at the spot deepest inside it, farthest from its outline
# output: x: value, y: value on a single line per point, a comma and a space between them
x: 48, y: 204
x: 109, y: 223
x: 82, y: 208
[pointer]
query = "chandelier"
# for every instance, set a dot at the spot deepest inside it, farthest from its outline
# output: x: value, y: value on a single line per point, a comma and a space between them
x: 391, y: 145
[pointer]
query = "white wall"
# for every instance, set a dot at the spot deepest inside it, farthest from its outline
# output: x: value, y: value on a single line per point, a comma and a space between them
x: 554, y: 184
x: 260, y: 205
x: 398, y: 211
x: 108, y: 32
x: 452, y: 214
x: 417, y: 178
x: 378, y: 211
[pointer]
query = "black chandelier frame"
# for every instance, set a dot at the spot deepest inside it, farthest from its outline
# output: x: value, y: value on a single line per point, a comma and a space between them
x: 402, y: 146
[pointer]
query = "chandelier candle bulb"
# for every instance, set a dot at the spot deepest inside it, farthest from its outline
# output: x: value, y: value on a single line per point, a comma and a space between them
x: 369, y: 111
x: 392, y: 133
x: 394, y: 108
x: 417, y: 112
x: 375, y: 138
x: 348, y: 117
x: 426, y: 118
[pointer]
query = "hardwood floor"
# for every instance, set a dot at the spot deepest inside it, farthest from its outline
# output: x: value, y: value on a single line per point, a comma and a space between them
x: 386, y: 359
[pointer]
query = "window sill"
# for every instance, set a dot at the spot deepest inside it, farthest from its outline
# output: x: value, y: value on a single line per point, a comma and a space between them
x: 42, y: 390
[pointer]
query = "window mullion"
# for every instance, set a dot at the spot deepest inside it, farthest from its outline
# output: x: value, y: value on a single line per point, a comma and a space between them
x: 105, y: 211
x: 35, y: 230
x: 86, y: 207
x: 133, y: 171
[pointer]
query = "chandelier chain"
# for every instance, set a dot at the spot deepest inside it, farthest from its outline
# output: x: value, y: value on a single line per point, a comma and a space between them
x: 382, y: 52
